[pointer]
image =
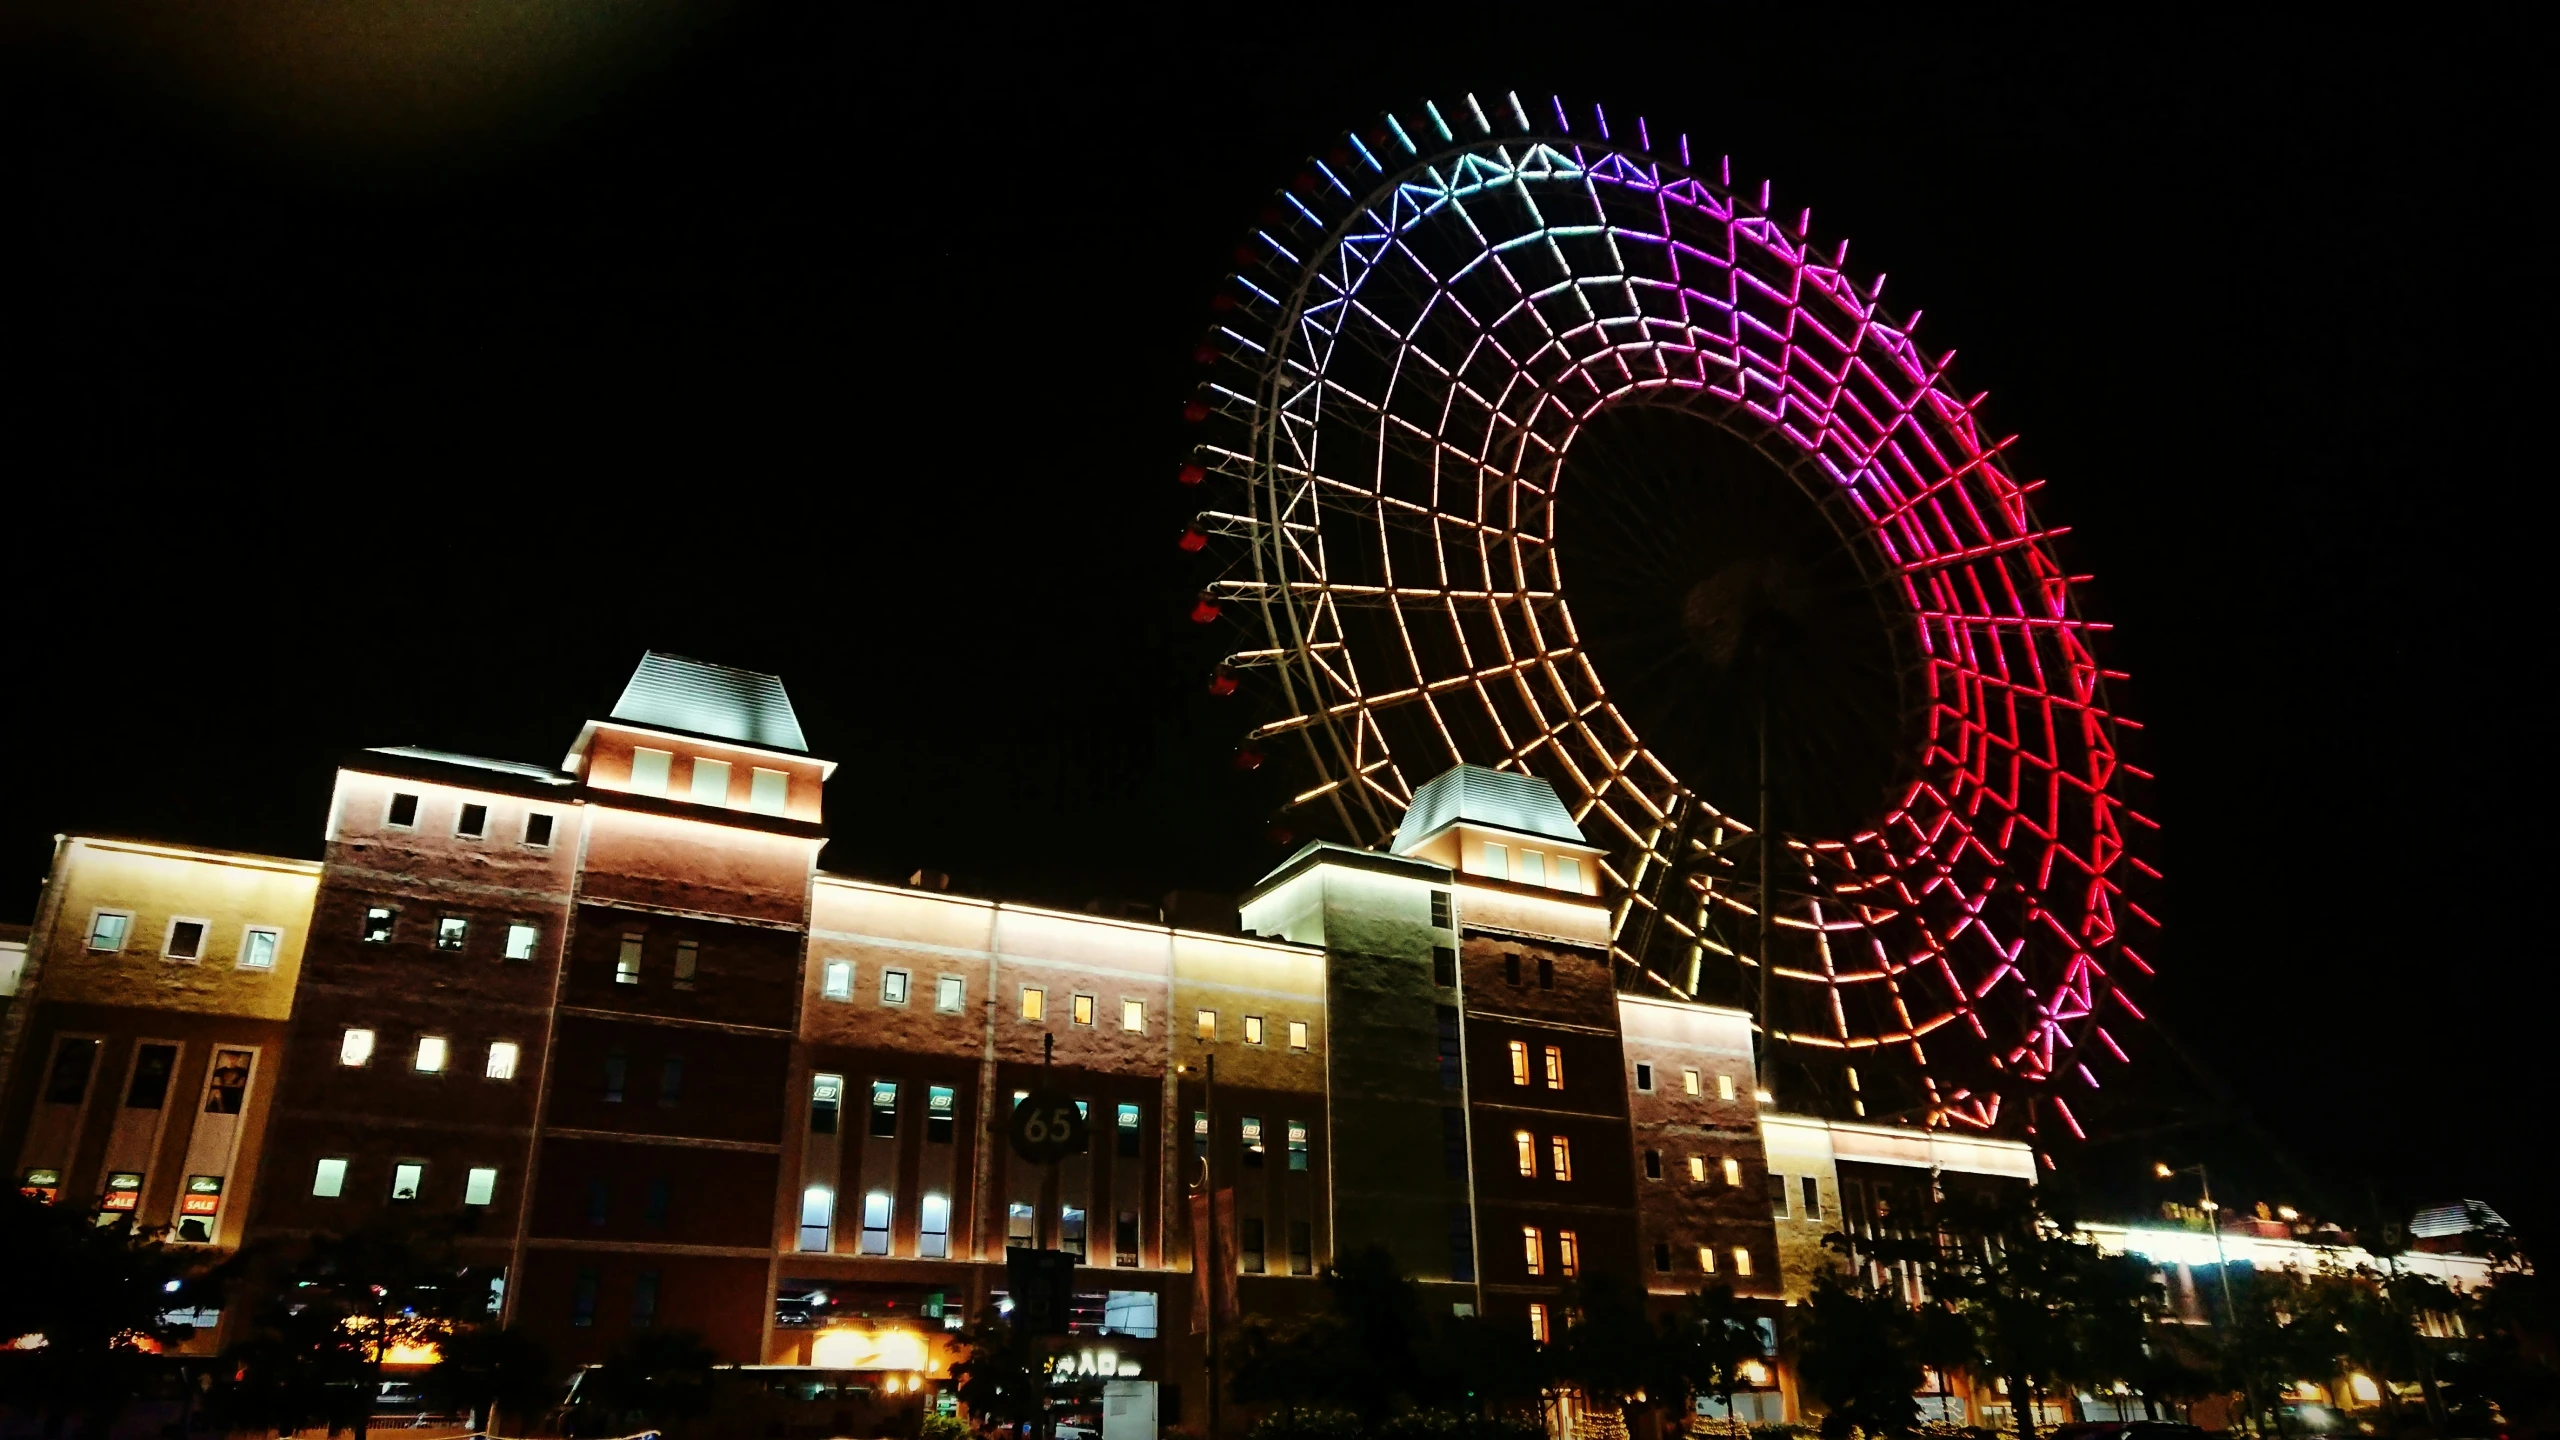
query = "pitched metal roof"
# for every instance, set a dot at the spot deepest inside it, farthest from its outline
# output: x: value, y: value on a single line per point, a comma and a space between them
x: 1498, y: 798
x: 676, y: 693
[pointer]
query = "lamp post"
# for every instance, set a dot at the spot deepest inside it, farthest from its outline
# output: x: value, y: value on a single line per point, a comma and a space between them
x: 2221, y: 1268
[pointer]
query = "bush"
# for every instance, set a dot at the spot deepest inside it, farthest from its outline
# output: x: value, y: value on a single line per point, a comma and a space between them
x: 1309, y: 1425
x: 938, y: 1426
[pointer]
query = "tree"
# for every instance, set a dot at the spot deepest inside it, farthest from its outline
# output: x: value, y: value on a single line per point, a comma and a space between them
x: 1704, y: 1349
x: 95, y: 1293
x: 1000, y: 1376
x: 652, y: 1378
x: 1856, y: 1352
x: 1610, y: 1350
x: 486, y: 1370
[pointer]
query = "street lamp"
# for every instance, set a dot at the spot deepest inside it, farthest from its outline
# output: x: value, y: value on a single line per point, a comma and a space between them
x: 2221, y: 1265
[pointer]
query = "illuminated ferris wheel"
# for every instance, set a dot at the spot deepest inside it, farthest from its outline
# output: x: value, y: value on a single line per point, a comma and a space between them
x: 1528, y: 442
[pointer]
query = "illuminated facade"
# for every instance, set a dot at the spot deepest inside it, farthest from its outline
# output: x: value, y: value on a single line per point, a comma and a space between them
x: 668, y: 1072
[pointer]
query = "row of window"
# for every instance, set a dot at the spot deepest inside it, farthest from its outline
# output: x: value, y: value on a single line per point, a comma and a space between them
x: 432, y: 1055
x: 1691, y: 1082
x: 879, y: 1209
x: 1697, y: 1168
x: 1552, y: 1069
x: 1559, y: 1156
x: 1811, y: 1209
x: 951, y: 993
x: 1250, y: 1134
x: 1530, y: 867
x: 627, y: 959
x: 1662, y: 1259
x: 1533, y: 1247
x: 826, y: 1104
x: 452, y: 933
x: 183, y: 942
x: 408, y: 1177
x: 644, y: 1299
x: 768, y: 791
x: 470, y: 821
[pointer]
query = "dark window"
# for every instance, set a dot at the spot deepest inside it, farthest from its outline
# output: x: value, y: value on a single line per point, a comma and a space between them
x: 1444, y: 965
x: 404, y: 810
x: 72, y: 1062
x: 599, y: 1202
x: 1778, y: 1196
x: 1653, y: 1164
x: 1130, y: 1120
x: 1453, y: 1142
x: 1644, y: 1076
x: 1462, y: 1245
x: 1199, y: 1134
x: 582, y: 1302
x: 1448, y: 1018
x: 939, y: 1100
x: 644, y: 1300
x: 186, y: 939
x: 1546, y: 973
x: 475, y: 821
x: 1511, y: 966
x: 377, y: 923
x: 1249, y: 1241
x: 671, y: 1080
x: 1124, y: 1238
x: 1812, y: 1199
x: 1253, y: 1147
x: 1302, y: 1247
x: 884, y: 1109
x: 1169, y: 1404
x: 1662, y: 1258
x: 826, y: 1093
x: 615, y: 1067
x: 227, y: 1093
x: 1440, y: 908
x: 537, y: 829
x: 653, y: 1208
x: 151, y: 1068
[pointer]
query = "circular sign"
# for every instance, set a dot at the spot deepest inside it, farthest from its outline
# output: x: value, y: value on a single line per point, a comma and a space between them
x: 1047, y: 1127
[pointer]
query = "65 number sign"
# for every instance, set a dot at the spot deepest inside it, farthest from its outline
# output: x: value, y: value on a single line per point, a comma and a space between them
x: 1047, y: 1127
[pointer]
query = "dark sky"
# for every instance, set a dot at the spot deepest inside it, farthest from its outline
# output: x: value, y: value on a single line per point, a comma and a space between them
x: 399, y: 378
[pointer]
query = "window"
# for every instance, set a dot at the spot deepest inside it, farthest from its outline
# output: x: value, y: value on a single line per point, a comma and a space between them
x: 654, y: 1200
x: 1707, y: 1259
x: 1253, y: 1029
x: 893, y: 987
x: 839, y: 980
x: 1071, y: 1231
x: 1689, y: 1082
x: 403, y: 812
x: 1020, y: 1224
x: 1724, y: 1087
x: 1778, y: 1195
x: 1533, y: 1249
x: 430, y: 1058
x: 1510, y: 967
x: 1697, y: 1167
x: 1538, y: 1323
x: 688, y: 962
x: 1298, y: 1145
x: 1206, y: 1022
x: 1533, y: 868
x: 1302, y: 1247
x: 875, y: 1223
x: 1127, y: 1133
x: 185, y: 941
x: 1080, y: 1012
x: 769, y: 791
x: 1644, y: 1077
x: 152, y: 1065
x: 1297, y: 1034
x: 670, y: 1081
x: 480, y: 1186
x: 626, y: 965
x: 355, y: 1047
x: 521, y: 938
x: 1662, y: 1259
x: 1812, y: 1198
x: 406, y: 1177
x: 1555, y: 1067
x: 1253, y: 1142
x: 649, y: 770
x: 1546, y: 972
x: 1124, y: 1239
x: 817, y: 1217
x: 473, y: 822
x: 933, y: 1227
x: 1653, y: 1164
x: 1444, y: 966
x: 948, y: 994
x: 259, y: 946
x: 450, y: 930
x: 938, y: 1104
x: 1568, y: 1254
x: 329, y: 1177
x: 1527, y: 1145
x: 502, y: 1061
x: 1133, y: 1016
x: 1560, y: 1151
x: 1447, y: 1017
x: 1741, y: 1261
x: 1497, y: 861
x: 1453, y: 1142
x: 710, y: 782
x: 1733, y: 1172
x: 537, y: 830
x: 826, y: 1093
x: 1440, y: 908
x: 1035, y: 1002
x: 582, y: 1300
x: 644, y: 1300
x: 1519, y: 1062
x: 1250, y: 1246
x: 73, y: 1059
x: 884, y: 1109
x: 107, y: 929
x: 1462, y: 1244
x: 377, y: 924
x: 1569, y: 874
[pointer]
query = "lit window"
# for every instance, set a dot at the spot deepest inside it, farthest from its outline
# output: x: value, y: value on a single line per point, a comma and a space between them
x: 1561, y: 1152
x: 403, y: 811
x: 1697, y: 1167
x: 185, y: 940
x: 502, y: 1060
x: 710, y: 782
x: 1297, y: 1034
x: 258, y: 948
x: 1083, y: 1010
x: 1253, y: 1029
x: 1555, y: 1068
x: 430, y: 1059
x: 377, y: 924
x: 1644, y: 1077
x: 769, y: 793
x: 537, y: 830
x: 1538, y: 1323
x: 839, y: 980
x: 520, y: 941
x: 948, y: 993
x: 329, y: 1178
x: 1125, y: 1122
x: 1741, y: 1261
x: 1133, y: 1016
x: 1569, y: 874
x: 1527, y: 1144
x: 826, y: 1094
x: 107, y: 928
x: 817, y: 1217
x: 1298, y: 1145
x: 1533, y: 868
x: 1519, y: 1062
x: 1724, y: 1087
x: 893, y: 987
x: 1208, y: 1023
x: 1689, y: 1081
x: 933, y: 1227
x: 939, y: 1101
x: 1497, y: 861
x: 480, y: 1186
x: 1568, y: 1254
x: 626, y: 965
x: 688, y: 962
x: 1019, y: 1223
x: 406, y: 1177
x: 1732, y: 1172
x: 355, y: 1047
x: 1440, y: 908
x: 649, y: 770
x: 1035, y: 1003
x: 473, y: 822
x: 1707, y: 1258
x: 1533, y: 1249
x: 450, y: 930
x: 875, y: 1223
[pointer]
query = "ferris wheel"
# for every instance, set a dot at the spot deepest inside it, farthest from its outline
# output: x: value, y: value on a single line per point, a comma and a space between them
x: 1526, y: 441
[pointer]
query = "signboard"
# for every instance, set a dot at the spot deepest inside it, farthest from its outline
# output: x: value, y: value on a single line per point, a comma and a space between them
x: 1048, y: 1126
x: 203, y: 1197
x: 1041, y: 1284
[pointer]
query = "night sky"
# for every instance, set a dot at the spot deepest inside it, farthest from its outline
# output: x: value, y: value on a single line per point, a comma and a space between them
x: 399, y: 379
